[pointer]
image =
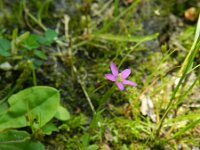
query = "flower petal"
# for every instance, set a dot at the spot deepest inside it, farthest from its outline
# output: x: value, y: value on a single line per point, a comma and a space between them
x: 126, y: 73
x: 128, y: 82
x: 110, y: 77
x: 120, y: 85
x: 114, y: 69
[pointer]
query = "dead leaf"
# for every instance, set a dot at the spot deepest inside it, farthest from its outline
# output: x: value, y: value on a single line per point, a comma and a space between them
x: 108, y: 135
x: 147, y: 107
x: 105, y: 147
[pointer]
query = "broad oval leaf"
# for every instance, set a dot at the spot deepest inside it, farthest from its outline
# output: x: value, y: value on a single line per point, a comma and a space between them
x: 4, y: 47
x: 62, y: 114
x: 4, y: 44
x: 36, y: 106
x: 18, y: 140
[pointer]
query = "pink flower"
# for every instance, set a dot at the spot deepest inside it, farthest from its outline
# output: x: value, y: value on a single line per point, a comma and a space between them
x: 119, y: 78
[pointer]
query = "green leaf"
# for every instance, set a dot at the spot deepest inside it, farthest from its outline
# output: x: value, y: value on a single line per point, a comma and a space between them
x: 49, y: 128
x: 40, y: 54
x: 41, y: 39
x: 4, y: 47
x: 31, y: 42
x: 121, y: 38
x: 48, y: 37
x: 3, y: 108
x: 4, y: 44
x: 183, y: 130
x: 36, y: 62
x: 18, y: 140
x: 4, y: 53
x: 22, y: 37
x: 93, y: 147
x: 33, y: 106
x: 62, y: 114
x: 13, y: 135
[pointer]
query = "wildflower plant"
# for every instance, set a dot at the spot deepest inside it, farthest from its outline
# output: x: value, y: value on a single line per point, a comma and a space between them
x: 119, y: 78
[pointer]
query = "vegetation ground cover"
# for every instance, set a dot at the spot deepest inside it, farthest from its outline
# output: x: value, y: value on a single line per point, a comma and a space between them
x: 56, y: 57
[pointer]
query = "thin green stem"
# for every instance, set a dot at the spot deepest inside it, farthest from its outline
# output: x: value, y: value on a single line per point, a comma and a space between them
x: 35, y: 20
x: 32, y: 17
x: 34, y: 77
x: 87, y: 97
x: 84, y: 90
x: 33, y: 72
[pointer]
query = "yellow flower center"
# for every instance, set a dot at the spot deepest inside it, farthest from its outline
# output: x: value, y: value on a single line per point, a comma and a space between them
x: 119, y: 78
